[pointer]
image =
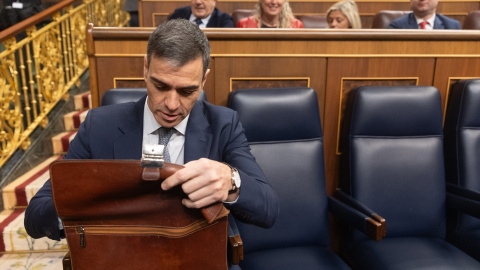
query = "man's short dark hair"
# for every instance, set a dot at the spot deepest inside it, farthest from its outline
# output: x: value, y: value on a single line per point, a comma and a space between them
x: 179, y: 41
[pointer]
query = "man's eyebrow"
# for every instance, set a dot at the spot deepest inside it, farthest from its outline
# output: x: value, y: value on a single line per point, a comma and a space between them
x: 188, y: 87
x: 158, y: 81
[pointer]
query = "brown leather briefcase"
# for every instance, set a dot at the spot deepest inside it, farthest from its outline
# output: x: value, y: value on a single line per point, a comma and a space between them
x: 113, y: 219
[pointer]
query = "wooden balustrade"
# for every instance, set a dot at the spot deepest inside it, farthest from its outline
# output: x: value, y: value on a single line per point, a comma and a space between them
x: 38, y: 65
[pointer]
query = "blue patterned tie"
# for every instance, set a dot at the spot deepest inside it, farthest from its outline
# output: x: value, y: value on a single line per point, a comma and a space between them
x: 198, y: 21
x: 164, y: 135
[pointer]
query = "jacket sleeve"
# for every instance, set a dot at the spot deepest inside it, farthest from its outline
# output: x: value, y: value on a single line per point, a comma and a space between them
x: 41, y: 217
x: 257, y: 203
x: 297, y: 23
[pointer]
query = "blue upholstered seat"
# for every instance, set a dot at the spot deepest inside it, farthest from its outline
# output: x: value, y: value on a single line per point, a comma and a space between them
x: 392, y: 161
x: 284, y: 131
x: 462, y: 159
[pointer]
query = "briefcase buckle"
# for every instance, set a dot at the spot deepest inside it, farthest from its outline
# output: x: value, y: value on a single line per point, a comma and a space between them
x: 152, y: 156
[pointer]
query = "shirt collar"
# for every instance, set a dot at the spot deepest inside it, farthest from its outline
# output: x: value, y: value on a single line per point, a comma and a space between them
x: 204, y: 20
x: 430, y: 21
x: 151, y: 125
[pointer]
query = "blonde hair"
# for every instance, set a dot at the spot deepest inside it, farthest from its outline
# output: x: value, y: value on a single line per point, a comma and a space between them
x: 350, y: 10
x: 286, y: 15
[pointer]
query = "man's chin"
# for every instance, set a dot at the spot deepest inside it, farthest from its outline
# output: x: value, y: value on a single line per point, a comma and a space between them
x: 200, y: 15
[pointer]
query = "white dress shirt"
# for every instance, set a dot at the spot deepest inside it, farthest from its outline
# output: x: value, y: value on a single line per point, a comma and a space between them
x: 175, y: 145
x: 429, y: 25
x: 204, y: 21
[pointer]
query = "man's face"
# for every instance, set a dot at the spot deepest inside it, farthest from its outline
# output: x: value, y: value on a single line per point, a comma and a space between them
x: 172, y: 91
x: 203, y: 8
x: 422, y: 8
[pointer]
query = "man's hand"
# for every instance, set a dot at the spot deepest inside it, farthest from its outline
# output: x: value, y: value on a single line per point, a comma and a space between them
x: 204, y: 181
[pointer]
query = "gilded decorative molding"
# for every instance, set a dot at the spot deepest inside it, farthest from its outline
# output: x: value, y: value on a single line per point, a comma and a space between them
x: 38, y: 70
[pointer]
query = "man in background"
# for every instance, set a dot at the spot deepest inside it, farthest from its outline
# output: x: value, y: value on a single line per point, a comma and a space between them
x: 204, y: 14
x: 424, y: 17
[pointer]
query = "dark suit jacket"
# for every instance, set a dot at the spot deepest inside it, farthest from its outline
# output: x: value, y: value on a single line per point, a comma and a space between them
x: 409, y: 22
x: 218, y: 18
x: 116, y: 132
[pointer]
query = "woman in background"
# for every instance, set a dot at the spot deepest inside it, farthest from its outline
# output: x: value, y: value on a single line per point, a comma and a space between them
x: 344, y: 15
x: 271, y: 14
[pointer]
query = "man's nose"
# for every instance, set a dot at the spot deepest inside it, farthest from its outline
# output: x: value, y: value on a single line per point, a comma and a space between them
x: 172, y: 100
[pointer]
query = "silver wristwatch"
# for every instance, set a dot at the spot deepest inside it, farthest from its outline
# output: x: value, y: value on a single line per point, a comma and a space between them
x: 236, y: 181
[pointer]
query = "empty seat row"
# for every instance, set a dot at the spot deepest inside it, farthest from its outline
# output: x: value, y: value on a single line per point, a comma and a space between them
x: 392, y: 163
x: 392, y: 182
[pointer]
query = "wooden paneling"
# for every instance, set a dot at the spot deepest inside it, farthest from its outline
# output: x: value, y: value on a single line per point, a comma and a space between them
x: 257, y: 71
x: 154, y: 12
x: 331, y: 62
x: 450, y: 70
x: 346, y: 73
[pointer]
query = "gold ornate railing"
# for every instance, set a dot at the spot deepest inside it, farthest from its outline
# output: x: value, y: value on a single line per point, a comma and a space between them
x: 37, y: 71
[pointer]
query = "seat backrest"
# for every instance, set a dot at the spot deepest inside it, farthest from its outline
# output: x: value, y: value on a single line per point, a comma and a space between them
x: 239, y: 14
x: 122, y: 95
x: 313, y: 21
x: 462, y: 142
x: 472, y: 21
x: 383, y: 18
x: 392, y: 157
x: 284, y: 132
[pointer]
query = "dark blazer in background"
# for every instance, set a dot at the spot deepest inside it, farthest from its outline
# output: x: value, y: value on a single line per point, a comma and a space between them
x: 409, y: 22
x: 218, y: 18
x: 116, y: 132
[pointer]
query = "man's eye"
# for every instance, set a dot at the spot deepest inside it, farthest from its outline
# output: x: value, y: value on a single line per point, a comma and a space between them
x: 187, y: 92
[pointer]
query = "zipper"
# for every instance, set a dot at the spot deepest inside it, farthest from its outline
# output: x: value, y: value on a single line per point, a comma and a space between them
x: 172, y: 232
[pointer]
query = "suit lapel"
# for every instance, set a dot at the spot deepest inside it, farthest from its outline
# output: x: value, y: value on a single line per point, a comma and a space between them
x: 129, y: 144
x: 213, y: 19
x: 198, y: 137
x: 438, y: 24
x: 412, y: 22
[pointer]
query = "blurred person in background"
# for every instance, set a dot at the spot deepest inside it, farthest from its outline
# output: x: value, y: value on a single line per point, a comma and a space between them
x: 424, y: 16
x: 271, y: 14
x: 343, y: 15
x: 204, y: 13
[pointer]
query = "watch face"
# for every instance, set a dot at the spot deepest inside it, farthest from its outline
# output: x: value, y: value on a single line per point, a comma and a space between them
x: 236, y: 178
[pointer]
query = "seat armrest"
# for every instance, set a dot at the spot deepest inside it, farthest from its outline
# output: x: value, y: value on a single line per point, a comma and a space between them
x: 347, y: 199
x: 357, y: 219
x: 235, y: 241
x: 463, y: 200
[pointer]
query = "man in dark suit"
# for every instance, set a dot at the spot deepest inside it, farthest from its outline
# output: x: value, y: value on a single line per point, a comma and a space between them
x: 204, y: 13
x: 424, y: 17
x: 209, y: 140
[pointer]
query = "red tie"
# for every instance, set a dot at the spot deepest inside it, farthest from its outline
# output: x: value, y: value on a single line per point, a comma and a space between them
x: 423, y: 24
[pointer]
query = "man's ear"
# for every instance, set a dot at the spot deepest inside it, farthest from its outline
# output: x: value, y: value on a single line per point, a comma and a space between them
x: 205, y: 78
x: 145, y: 67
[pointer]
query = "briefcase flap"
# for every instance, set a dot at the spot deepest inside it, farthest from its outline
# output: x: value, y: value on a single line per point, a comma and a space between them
x: 114, y: 191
